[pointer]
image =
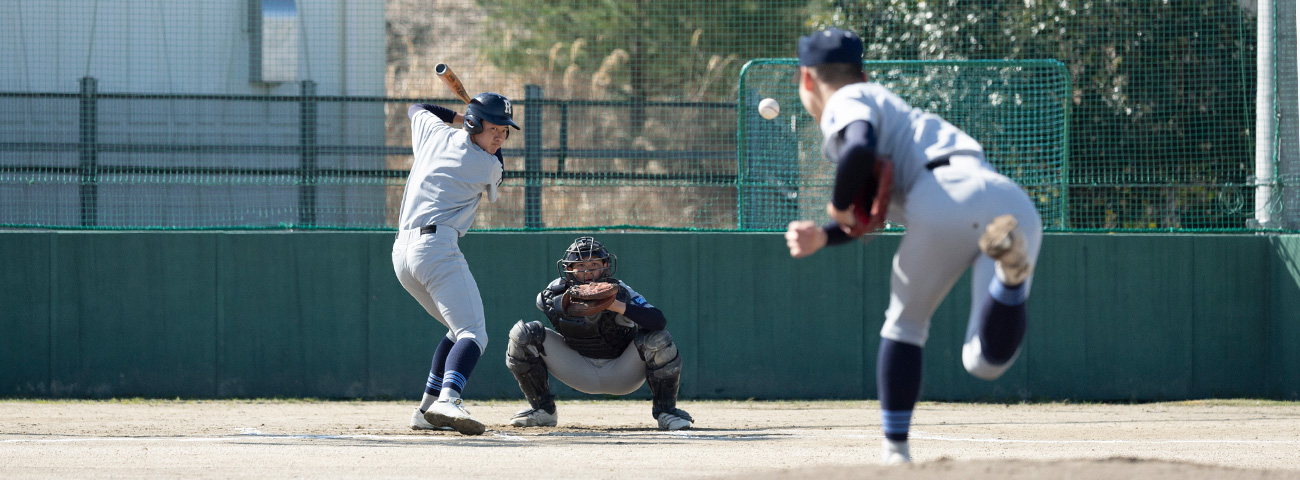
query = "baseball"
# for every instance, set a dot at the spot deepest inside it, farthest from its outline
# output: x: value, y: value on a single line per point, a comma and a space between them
x: 768, y: 108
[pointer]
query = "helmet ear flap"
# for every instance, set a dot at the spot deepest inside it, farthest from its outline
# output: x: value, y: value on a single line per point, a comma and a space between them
x: 472, y: 124
x: 611, y: 264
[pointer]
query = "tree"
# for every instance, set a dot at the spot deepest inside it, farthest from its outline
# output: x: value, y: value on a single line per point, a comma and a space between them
x: 1162, y: 91
x: 638, y: 50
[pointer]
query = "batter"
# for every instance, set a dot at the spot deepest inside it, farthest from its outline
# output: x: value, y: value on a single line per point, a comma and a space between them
x: 452, y: 170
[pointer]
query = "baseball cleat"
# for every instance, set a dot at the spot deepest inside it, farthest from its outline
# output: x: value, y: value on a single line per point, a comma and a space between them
x: 893, y: 452
x: 1003, y: 242
x: 452, y: 414
x: 419, y: 423
x: 677, y: 419
x: 534, y: 417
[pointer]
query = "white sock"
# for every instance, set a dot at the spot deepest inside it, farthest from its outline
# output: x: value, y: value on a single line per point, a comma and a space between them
x: 448, y: 395
x: 427, y: 401
x: 1002, y: 276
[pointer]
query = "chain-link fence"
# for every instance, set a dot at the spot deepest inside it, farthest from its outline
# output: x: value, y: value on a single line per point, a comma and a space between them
x: 291, y: 114
x: 1016, y: 108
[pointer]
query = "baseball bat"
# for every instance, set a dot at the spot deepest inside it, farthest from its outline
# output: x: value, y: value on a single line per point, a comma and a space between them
x: 453, y: 82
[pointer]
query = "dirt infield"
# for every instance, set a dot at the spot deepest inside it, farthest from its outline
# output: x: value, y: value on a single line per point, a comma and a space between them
x: 1221, y: 440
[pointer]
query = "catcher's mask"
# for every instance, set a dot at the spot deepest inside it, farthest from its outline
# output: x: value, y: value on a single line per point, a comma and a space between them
x: 585, y: 249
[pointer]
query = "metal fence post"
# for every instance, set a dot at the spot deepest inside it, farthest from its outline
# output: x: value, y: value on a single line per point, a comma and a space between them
x: 88, y: 152
x: 564, y: 137
x: 532, y: 157
x: 307, y: 174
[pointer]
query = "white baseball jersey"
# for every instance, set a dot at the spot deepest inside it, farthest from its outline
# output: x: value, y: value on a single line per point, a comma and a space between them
x: 449, y: 175
x: 945, y: 210
x: 910, y: 137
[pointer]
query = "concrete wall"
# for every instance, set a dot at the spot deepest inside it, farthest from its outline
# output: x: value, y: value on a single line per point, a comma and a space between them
x: 255, y: 314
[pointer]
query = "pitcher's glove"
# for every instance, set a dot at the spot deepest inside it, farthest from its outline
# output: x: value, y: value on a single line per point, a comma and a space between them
x: 589, y: 298
x: 870, y: 212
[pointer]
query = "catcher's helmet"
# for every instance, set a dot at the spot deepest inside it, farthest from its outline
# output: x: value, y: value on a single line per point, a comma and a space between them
x: 584, y: 249
x: 491, y: 107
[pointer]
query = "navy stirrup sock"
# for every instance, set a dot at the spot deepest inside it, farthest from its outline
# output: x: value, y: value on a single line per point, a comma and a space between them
x: 460, y: 364
x: 898, y: 379
x: 1003, y: 321
x: 434, y: 385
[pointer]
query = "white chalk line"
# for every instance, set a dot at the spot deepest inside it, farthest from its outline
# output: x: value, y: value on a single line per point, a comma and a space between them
x: 1105, y: 442
x: 246, y: 434
x: 921, y: 435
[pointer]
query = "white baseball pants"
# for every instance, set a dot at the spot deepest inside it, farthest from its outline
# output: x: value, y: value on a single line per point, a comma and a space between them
x: 618, y: 376
x: 945, y: 213
x: 432, y: 268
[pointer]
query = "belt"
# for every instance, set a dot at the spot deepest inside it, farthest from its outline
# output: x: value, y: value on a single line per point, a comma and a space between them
x: 936, y: 163
x: 425, y: 230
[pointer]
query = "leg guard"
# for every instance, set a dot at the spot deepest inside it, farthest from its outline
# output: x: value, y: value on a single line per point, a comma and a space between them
x: 524, y: 359
x: 663, y: 370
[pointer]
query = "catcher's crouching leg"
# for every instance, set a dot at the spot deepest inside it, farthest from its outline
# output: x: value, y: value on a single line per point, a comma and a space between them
x: 524, y: 359
x: 663, y: 374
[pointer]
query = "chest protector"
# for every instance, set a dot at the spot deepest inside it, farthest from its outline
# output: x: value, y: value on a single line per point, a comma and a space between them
x: 603, y: 335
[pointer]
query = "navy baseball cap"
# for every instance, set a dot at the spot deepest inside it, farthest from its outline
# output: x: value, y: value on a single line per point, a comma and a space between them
x: 831, y: 45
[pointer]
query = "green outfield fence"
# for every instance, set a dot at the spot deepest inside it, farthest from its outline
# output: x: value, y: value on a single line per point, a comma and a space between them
x: 290, y: 114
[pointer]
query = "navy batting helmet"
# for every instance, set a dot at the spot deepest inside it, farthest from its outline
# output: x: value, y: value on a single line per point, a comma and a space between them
x: 490, y: 107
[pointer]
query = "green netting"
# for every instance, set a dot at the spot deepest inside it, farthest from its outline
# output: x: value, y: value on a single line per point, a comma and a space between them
x: 1016, y: 109
x: 291, y: 114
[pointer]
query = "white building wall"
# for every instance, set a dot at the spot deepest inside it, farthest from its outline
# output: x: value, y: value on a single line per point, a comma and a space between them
x: 189, y: 46
x: 184, y: 47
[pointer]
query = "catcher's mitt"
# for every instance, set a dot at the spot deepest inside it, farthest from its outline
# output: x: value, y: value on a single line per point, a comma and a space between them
x: 589, y: 298
x: 870, y: 212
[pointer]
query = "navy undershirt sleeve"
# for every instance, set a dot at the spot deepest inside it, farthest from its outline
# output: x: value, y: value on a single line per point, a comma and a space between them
x: 447, y: 115
x: 834, y: 234
x: 856, y: 164
x: 648, y: 318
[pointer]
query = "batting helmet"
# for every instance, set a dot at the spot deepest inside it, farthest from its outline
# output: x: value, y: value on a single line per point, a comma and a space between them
x: 490, y: 107
x: 586, y: 249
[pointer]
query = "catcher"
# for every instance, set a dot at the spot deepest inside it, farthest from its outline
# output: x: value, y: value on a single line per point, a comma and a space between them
x: 606, y: 339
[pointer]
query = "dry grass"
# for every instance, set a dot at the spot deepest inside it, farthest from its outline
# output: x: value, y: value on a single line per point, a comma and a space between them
x: 414, y: 51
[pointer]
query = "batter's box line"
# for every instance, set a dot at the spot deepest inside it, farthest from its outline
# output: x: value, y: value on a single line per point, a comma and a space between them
x: 120, y: 439
x: 718, y: 435
x: 256, y: 433
x: 508, y: 438
x: 247, y: 436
